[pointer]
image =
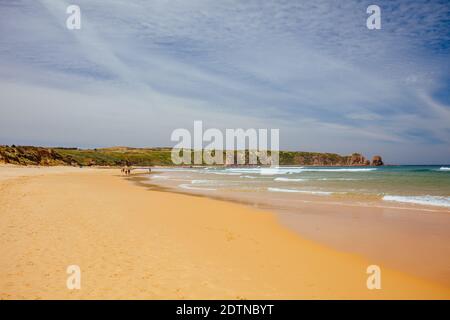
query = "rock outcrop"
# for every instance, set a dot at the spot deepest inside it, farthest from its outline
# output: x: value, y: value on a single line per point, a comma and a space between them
x: 357, y: 159
x: 377, y: 161
x: 321, y: 159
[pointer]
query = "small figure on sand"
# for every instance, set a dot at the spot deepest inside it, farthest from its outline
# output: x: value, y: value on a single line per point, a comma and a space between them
x: 126, y: 171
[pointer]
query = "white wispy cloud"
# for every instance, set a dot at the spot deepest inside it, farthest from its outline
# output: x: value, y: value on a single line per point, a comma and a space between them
x: 139, y: 69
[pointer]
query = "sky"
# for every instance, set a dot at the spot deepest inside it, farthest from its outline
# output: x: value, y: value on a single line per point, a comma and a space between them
x: 137, y: 70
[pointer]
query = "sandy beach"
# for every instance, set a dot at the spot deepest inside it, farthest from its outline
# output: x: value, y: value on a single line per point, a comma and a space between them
x: 130, y: 242
x: 398, y: 235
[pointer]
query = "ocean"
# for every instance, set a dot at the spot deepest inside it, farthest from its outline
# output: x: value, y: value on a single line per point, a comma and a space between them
x: 407, y: 184
x: 392, y: 215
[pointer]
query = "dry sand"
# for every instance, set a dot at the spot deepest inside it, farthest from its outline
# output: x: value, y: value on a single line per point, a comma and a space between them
x: 134, y: 243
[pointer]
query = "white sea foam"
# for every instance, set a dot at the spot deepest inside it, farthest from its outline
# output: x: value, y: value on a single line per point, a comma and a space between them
x: 337, y: 179
x: 321, y: 193
x: 266, y: 171
x: 225, y: 173
x: 261, y: 171
x: 174, y: 170
x: 157, y: 176
x: 288, y: 179
x: 248, y: 177
x: 444, y: 169
x: 187, y: 186
x: 211, y: 183
x: 290, y: 170
x: 339, y: 170
x: 199, y: 181
x: 424, y: 200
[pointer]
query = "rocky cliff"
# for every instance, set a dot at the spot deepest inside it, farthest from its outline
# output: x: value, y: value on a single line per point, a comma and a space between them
x: 321, y: 159
x: 25, y: 155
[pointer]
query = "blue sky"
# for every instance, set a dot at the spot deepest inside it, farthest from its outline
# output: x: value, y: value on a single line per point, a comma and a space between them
x: 139, y: 69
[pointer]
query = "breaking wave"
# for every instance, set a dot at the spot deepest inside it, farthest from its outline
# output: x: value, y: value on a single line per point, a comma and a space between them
x: 423, y: 200
x: 288, y: 179
x: 321, y: 193
x: 187, y: 186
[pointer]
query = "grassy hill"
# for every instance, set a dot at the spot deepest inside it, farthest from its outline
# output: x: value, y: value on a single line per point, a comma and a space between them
x: 119, y: 156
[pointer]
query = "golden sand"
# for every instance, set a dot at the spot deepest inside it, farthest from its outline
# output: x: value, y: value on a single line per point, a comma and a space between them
x: 130, y: 242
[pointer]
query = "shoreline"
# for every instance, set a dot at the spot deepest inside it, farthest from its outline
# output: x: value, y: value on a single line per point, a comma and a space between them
x: 134, y: 243
x: 398, y: 235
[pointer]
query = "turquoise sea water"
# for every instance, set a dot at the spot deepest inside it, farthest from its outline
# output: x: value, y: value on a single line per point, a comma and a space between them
x: 426, y: 185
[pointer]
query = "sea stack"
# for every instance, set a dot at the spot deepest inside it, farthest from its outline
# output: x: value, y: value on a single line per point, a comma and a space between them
x: 377, y: 161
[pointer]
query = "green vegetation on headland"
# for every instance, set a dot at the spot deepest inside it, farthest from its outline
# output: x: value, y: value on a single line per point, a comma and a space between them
x: 120, y: 156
